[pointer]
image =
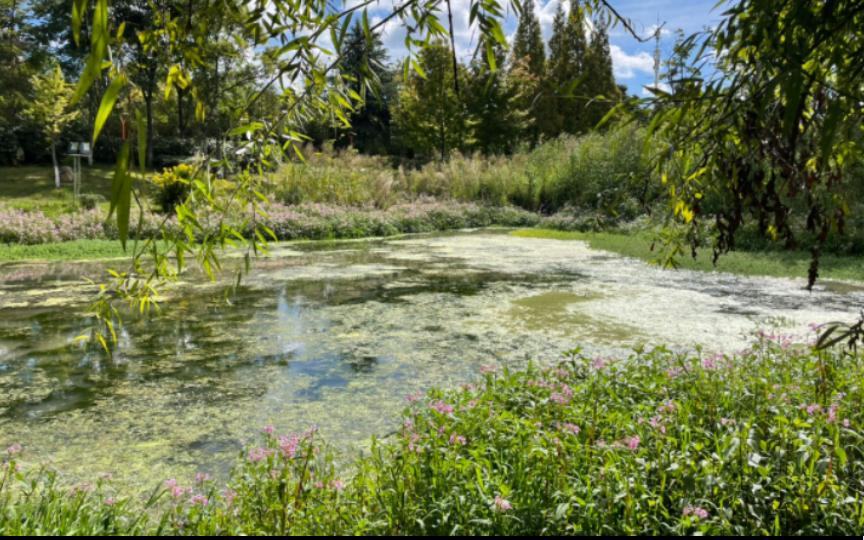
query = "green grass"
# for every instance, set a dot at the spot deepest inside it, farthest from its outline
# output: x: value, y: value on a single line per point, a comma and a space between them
x: 29, y: 188
x: 67, y: 251
x: 775, y: 264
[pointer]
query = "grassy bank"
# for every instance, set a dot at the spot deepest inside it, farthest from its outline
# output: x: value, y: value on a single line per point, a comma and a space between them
x: 657, y: 444
x: 79, y: 250
x: 774, y: 264
x: 32, y: 188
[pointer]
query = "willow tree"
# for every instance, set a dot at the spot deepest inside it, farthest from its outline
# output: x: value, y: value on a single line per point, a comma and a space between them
x: 770, y: 136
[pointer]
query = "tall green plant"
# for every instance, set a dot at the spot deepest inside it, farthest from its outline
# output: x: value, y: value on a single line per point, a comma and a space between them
x: 432, y: 115
x: 50, y: 108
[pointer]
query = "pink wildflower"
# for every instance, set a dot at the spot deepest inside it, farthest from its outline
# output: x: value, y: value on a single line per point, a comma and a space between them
x: 105, y: 476
x: 200, y: 499
x: 502, y: 504
x: 846, y: 423
x: 14, y: 449
x: 228, y: 496
x: 201, y: 477
x: 269, y: 430
x: 633, y: 443
x: 110, y: 501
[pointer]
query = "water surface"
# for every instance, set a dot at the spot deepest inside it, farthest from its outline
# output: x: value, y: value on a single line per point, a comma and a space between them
x: 336, y: 335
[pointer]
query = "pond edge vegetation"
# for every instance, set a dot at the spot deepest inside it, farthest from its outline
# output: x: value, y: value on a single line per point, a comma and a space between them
x: 660, y: 443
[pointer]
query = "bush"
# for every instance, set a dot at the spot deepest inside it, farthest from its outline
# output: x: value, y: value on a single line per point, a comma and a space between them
x: 173, y: 186
x: 658, y: 444
x: 89, y: 201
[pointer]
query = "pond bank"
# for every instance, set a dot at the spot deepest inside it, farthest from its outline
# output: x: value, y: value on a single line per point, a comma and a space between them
x: 775, y: 264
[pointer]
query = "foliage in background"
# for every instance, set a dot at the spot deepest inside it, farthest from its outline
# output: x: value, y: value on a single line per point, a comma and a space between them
x: 50, y: 109
x: 173, y: 186
x: 431, y: 115
x: 658, y: 444
x: 767, y: 139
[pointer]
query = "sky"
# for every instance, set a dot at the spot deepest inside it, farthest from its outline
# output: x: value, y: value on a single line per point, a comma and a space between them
x: 634, y: 62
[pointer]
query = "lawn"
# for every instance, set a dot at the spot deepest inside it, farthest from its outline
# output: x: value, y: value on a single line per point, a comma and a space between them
x: 793, y: 264
x: 29, y: 188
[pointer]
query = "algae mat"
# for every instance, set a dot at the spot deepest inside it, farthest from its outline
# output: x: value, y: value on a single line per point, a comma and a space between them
x: 336, y: 335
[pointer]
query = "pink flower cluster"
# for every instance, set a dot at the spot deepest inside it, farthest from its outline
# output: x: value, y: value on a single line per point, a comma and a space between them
x: 697, y: 513
x: 501, y: 505
x: 441, y: 407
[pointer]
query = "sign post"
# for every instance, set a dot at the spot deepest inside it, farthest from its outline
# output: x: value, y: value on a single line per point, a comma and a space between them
x: 76, y: 152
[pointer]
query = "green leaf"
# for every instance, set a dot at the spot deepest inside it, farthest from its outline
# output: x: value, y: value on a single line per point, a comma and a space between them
x: 119, y: 174
x: 490, y: 56
x: 78, y: 7
x: 842, y: 455
x: 98, y: 50
x: 107, y: 105
x: 249, y: 128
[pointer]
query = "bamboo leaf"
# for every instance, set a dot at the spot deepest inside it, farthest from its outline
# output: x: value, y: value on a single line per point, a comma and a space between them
x: 119, y: 174
x: 107, y: 105
x: 98, y: 49
x: 78, y: 7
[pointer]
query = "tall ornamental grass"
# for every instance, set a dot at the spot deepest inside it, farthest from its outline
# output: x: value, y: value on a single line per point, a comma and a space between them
x: 765, y: 441
x: 587, y: 172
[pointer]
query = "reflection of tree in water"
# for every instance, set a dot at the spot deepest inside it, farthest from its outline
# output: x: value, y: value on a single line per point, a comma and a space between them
x: 13, y: 273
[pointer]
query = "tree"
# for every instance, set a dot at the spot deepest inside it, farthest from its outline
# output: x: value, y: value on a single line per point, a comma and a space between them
x: 499, y: 101
x: 529, y: 48
x: 600, y: 77
x: 568, y: 50
x: 431, y: 115
x: 768, y: 139
x: 364, y: 61
x: 51, y: 96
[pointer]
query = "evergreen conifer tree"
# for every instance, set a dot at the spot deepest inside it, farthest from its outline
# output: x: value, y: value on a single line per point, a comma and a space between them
x: 529, y: 49
x: 568, y: 51
x: 600, y: 80
x: 498, y: 101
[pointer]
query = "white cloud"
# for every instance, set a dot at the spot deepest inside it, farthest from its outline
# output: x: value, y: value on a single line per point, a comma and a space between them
x: 626, y: 65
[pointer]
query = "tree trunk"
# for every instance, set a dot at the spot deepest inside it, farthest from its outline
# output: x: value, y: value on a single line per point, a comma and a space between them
x: 56, y: 165
x: 148, y: 100
x: 180, y: 113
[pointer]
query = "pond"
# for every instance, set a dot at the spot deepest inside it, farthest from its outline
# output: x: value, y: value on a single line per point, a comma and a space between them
x: 336, y: 335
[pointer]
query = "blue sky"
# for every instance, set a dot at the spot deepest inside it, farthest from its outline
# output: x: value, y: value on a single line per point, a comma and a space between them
x: 634, y: 62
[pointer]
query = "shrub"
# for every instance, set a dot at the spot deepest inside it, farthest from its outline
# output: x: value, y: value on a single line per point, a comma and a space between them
x: 172, y: 187
x: 657, y: 444
x: 89, y: 201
